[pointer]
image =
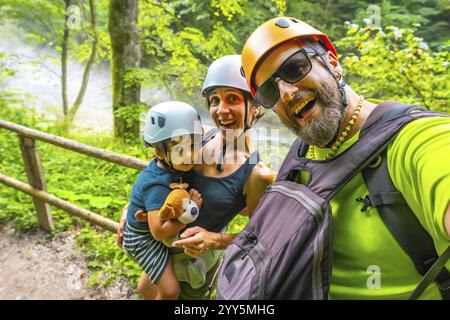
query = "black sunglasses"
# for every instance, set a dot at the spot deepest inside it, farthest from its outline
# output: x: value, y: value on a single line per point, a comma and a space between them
x: 294, y: 68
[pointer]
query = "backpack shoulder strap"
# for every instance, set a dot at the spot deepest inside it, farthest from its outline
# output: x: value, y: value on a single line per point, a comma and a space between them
x: 387, y: 111
x: 431, y: 275
x: 395, y: 213
x: 401, y: 221
x: 293, y: 159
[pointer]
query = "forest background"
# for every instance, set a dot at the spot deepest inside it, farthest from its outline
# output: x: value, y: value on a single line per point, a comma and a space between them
x: 109, y: 61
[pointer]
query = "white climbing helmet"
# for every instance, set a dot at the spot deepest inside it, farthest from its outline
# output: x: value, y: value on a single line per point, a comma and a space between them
x: 171, y: 119
x: 225, y: 72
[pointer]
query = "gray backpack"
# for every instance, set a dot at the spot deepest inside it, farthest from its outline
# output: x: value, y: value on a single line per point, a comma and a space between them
x: 285, y: 250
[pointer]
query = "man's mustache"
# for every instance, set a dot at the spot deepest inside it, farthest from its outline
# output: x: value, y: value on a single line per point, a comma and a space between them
x: 299, y: 96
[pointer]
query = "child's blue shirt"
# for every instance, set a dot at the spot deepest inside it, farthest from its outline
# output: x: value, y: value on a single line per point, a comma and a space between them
x: 150, y: 192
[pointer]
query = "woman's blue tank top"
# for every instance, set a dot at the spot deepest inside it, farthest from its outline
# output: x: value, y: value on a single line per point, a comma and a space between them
x: 223, y: 198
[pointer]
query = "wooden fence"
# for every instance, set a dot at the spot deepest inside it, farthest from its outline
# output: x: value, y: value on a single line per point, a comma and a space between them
x: 35, y: 173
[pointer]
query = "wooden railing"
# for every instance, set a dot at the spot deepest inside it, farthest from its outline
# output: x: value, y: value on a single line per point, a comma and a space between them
x: 35, y: 173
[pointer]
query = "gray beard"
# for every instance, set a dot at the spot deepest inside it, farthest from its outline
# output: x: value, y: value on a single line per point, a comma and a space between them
x: 320, y: 130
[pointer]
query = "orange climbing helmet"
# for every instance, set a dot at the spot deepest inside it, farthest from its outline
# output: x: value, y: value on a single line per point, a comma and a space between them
x: 271, y: 34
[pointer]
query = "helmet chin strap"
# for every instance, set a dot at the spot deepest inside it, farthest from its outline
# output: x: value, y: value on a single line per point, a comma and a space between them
x: 341, y: 89
x: 340, y: 82
x: 246, y: 126
x: 167, y: 165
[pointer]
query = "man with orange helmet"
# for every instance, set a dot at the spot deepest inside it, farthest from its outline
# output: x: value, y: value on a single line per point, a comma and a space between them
x: 293, y: 69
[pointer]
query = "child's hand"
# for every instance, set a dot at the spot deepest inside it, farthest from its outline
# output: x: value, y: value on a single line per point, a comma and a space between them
x: 121, y: 228
x: 141, y: 215
x: 196, y: 197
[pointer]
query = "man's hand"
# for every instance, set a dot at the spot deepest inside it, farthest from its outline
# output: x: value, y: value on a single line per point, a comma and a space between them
x: 123, y: 220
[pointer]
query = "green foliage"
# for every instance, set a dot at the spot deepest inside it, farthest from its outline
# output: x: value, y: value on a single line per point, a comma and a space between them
x: 281, y: 6
x: 176, y: 51
x: 42, y: 20
x: 179, y: 39
x: 90, y: 183
x: 43, y: 23
x: 432, y: 17
x: 130, y: 115
x: 329, y: 16
x: 254, y: 13
x: 393, y: 63
x: 228, y: 8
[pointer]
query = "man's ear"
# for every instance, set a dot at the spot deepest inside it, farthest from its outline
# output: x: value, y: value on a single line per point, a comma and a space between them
x: 335, y: 65
x: 256, y: 110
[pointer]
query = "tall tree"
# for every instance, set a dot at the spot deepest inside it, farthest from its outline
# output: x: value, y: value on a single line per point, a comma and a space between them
x: 70, y: 113
x: 123, y: 30
x: 51, y: 23
x: 64, y: 49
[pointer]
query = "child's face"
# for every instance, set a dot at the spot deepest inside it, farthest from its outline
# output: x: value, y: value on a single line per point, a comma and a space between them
x: 181, y: 152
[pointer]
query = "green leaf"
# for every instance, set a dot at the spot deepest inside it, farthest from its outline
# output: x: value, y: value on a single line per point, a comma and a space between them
x: 100, y: 202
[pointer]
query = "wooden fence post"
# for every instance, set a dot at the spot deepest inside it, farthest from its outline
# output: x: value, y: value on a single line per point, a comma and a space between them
x: 35, y: 174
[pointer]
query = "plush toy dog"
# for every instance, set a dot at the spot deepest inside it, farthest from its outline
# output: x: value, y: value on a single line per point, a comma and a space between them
x: 178, y: 205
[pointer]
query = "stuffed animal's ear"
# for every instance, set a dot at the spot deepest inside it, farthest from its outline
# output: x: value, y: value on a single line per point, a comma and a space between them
x: 141, y: 216
x: 166, y: 212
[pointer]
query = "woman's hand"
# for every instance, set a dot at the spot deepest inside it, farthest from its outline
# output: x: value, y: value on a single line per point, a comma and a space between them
x: 196, y: 241
x: 121, y: 228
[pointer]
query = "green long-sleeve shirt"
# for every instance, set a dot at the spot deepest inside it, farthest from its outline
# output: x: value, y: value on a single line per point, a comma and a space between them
x: 368, y: 263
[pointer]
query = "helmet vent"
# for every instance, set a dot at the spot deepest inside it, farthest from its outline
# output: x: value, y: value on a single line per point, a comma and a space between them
x: 294, y: 20
x: 161, y: 122
x: 153, y: 121
x: 242, y: 72
x: 282, y: 23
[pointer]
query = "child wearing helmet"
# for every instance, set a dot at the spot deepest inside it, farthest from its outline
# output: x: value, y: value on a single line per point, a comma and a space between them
x: 172, y: 128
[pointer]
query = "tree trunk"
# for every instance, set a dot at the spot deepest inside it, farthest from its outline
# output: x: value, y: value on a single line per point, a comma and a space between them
x: 64, y: 46
x: 89, y: 64
x: 123, y: 30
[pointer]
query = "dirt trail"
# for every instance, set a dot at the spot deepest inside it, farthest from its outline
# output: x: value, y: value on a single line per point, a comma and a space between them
x: 35, y: 266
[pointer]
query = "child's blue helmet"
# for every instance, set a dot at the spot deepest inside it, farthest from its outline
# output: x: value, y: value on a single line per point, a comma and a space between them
x: 171, y: 119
